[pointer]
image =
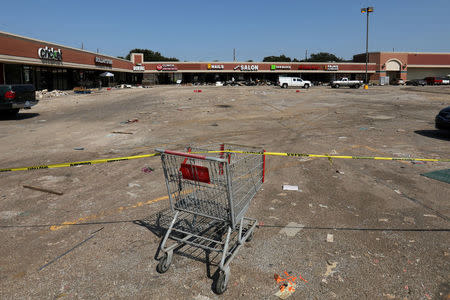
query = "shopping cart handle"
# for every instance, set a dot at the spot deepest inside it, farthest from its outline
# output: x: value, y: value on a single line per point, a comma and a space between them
x: 183, y: 154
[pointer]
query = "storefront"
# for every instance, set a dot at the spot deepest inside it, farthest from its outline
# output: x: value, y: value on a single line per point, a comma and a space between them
x: 51, y: 66
x: 407, y: 65
x: 192, y: 72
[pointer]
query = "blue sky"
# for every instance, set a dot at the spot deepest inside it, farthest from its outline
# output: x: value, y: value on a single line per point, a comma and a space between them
x: 200, y: 30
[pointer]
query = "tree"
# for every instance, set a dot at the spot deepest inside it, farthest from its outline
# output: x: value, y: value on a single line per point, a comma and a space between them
x: 323, y: 57
x: 281, y: 58
x: 150, y: 55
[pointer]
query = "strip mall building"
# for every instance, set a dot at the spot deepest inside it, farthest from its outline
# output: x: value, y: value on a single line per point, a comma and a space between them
x: 52, y: 66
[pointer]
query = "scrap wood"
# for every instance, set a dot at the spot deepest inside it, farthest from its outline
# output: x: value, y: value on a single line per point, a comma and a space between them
x: 42, y: 190
x: 122, y: 132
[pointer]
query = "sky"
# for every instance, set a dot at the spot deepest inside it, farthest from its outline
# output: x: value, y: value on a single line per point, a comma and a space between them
x: 202, y: 30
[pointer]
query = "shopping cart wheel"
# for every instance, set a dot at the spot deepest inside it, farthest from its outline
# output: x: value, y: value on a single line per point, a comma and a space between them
x: 250, y: 237
x: 221, y: 283
x: 164, y: 263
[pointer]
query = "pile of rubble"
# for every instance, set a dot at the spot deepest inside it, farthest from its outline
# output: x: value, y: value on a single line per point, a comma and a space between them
x: 46, y: 94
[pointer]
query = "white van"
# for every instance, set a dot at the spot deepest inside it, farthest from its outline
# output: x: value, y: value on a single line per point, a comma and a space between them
x: 285, y: 82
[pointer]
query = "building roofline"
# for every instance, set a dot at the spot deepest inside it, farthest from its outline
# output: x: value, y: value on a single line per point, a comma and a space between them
x: 59, y: 45
x: 253, y: 62
x: 400, y: 52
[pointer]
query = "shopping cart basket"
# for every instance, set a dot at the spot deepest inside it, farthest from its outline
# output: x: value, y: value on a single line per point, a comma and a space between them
x: 210, y: 194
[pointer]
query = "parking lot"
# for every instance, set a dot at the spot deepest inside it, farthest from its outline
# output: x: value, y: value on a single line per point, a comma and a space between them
x: 357, y: 229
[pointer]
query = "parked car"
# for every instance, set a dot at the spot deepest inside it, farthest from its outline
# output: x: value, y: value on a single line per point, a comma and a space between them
x: 398, y: 81
x: 286, y: 82
x: 443, y: 119
x: 416, y: 82
x: 433, y: 80
x: 15, y: 97
x: 345, y: 82
x: 444, y: 80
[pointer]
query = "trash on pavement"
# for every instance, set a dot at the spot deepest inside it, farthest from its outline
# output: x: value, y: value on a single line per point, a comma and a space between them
x: 147, y: 170
x: 287, y: 285
x: 330, y: 268
x: 330, y: 238
x: 130, y: 121
x: 287, y: 187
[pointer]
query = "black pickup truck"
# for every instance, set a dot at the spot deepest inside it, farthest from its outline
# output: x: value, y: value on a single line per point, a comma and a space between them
x: 13, y: 97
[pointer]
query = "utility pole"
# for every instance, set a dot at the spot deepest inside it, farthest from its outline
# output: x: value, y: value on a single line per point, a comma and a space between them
x: 306, y: 54
x: 82, y: 46
x: 367, y: 10
x: 234, y: 54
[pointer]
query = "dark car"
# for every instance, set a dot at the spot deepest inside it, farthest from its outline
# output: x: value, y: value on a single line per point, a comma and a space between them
x: 443, y: 119
x: 16, y: 96
x: 416, y: 82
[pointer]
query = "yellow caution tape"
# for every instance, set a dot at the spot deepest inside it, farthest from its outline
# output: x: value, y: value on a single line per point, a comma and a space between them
x: 79, y: 163
x: 331, y: 156
x: 108, y: 160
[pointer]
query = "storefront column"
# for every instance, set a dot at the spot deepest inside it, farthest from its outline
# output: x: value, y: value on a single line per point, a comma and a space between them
x: 2, y: 74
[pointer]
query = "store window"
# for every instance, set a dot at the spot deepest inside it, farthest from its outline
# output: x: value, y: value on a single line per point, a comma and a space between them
x: 13, y: 74
x: 28, y: 75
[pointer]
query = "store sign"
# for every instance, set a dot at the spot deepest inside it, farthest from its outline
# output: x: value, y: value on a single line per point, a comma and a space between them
x: 50, y: 53
x: 215, y: 67
x: 332, y: 68
x: 138, y: 68
x: 275, y: 67
x: 308, y: 68
x: 166, y: 67
x: 102, y: 60
x: 246, y: 67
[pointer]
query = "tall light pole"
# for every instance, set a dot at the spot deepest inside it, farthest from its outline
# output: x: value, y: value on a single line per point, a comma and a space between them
x: 367, y: 10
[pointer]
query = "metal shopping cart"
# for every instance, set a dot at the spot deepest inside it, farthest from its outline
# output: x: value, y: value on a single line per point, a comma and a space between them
x: 210, y: 194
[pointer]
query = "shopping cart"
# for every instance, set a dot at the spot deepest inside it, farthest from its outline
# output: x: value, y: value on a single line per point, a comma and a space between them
x: 210, y: 194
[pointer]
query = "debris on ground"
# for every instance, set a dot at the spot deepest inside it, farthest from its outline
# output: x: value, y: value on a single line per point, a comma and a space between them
x: 330, y: 238
x: 430, y: 216
x: 409, y: 220
x: 287, y: 187
x: 130, y: 121
x: 340, y: 172
x: 131, y: 184
x: 78, y: 148
x: 330, y: 268
x: 291, y: 229
x: 122, y: 132
x: 147, y: 170
x: 323, y: 206
x: 46, y: 94
x: 42, y: 190
x: 287, y: 285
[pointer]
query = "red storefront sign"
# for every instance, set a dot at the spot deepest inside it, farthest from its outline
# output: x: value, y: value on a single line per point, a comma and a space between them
x: 166, y: 67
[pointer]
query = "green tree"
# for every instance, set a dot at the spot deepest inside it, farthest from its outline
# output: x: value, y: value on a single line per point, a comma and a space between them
x: 323, y: 57
x: 150, y: 55
x: 281, y: 58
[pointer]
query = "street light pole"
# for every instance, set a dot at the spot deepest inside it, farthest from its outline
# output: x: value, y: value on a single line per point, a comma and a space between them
x: 367, y: 10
